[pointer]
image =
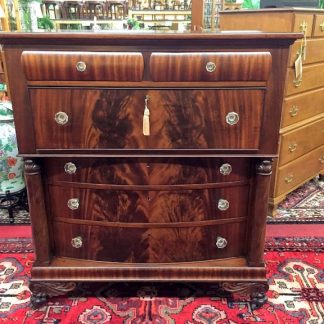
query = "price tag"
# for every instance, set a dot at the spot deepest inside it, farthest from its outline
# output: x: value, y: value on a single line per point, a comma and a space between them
x: 299, y: 67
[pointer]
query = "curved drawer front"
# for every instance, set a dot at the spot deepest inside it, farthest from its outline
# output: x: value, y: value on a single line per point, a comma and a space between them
x: 149, y: 205
x: 178, y: 119
x: 82, y: 66
x: 301, y: 141
x: 149, y: 245
x: 222, y: 66
x: 147, y: 171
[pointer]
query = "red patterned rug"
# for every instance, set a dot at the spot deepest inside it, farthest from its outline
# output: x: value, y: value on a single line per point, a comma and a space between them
x: 296, y: 293
x: 304, y: 205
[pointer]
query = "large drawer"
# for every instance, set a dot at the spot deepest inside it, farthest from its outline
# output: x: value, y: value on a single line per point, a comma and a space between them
x: 82, y: 66
x: 302, y: 106
x: 297, y: 172
x: 313, y: 78
x: 147, y: 171
x: 178, y: 119
x: 149, y: 245
x: 222, y: 66
x: 165, y: 204
x: 301, y: 141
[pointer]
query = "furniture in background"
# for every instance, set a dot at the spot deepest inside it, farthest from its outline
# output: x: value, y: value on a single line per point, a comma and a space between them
x: 301, y: 142
x: 147, y: 157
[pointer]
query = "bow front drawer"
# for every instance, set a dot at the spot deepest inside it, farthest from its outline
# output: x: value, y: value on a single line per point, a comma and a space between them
x: 231, y: 66
x: 177, y: 119
x: 82, y: 66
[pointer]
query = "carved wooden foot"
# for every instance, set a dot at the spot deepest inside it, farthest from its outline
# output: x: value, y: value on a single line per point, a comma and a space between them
x: 43, y: 290
x: 256, y: 290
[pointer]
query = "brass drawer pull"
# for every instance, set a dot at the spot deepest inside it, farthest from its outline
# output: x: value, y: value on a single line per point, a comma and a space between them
x: 303, y: 27
x: 221, y: 242
x: 61, y: 118
x: 293, y: 111
x: 210, y: 67
x: 321, y: 159
x: 322, y: 26
x: 76, y: 242
x: 73, y: 203
x: 289, y: 178
x: 232, y: 118
x: 81, y: 66
x: 223, y: 204
x: 70, y: 168
x: 292, y: 147
x: 225, y: 169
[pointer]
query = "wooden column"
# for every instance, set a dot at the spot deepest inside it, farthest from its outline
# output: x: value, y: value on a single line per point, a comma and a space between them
x: 197, y: 15
x: 37, y: 212
x: 258, y: 213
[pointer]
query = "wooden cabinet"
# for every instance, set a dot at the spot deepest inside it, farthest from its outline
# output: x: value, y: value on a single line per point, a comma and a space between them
x: 137, y: 173
x: 301, y: 145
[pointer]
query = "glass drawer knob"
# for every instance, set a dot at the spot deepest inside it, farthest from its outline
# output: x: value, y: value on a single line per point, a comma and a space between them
x: 81, y: 66
x: 221, y: 242
x: 61, y: 118
x: 73, y: 203
x: 210, y: 67
x: 232, y: 118
x: 223, y: 204
x: 225, y: 169
x: 70, y: 168
x: 76, y: 242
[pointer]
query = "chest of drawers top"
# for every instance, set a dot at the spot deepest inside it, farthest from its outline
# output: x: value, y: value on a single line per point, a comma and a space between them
x: 208, y: 92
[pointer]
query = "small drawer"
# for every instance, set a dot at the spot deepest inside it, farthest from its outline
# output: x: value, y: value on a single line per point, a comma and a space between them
x: 112, y: 119
x: 303, y: 23
x: 302, y: 106
x: 222, y: 66
x: 147, y: 171
x: 149, y: 245
x: 82, y: 66
x: 297, y: 172
x: 301, y: 141
x: 318, y: 30
x: 149, y: 204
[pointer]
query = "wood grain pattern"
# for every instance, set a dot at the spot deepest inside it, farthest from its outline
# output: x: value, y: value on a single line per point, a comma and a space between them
x: 149, y: 206
x: 179, y: 119
x: 313, y: 77
x: 147, y: 170
x: 149, y: 245
x: 296, y: 143
x: 61, y: 65
x: 302, y: 106
x: 230, y: 66
x: 299, y: 171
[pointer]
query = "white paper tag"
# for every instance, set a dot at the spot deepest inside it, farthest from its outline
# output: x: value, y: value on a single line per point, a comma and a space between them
x: 299, y: 67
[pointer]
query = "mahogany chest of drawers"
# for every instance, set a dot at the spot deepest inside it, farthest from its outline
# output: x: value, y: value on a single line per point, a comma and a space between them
x: 301, y: 141
x: 147, y: 156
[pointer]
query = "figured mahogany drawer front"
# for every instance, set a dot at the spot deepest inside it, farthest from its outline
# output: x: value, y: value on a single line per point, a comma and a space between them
x: 297, y: 172
x: 178, y: 119
x: 303, y: 23
x: 82, y: 66
x: 149, y: 245
x: 302, y: 106
x: 149, y: 205
x: 301, y: 141
x: 222, y: 66
x: 147, y: 171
